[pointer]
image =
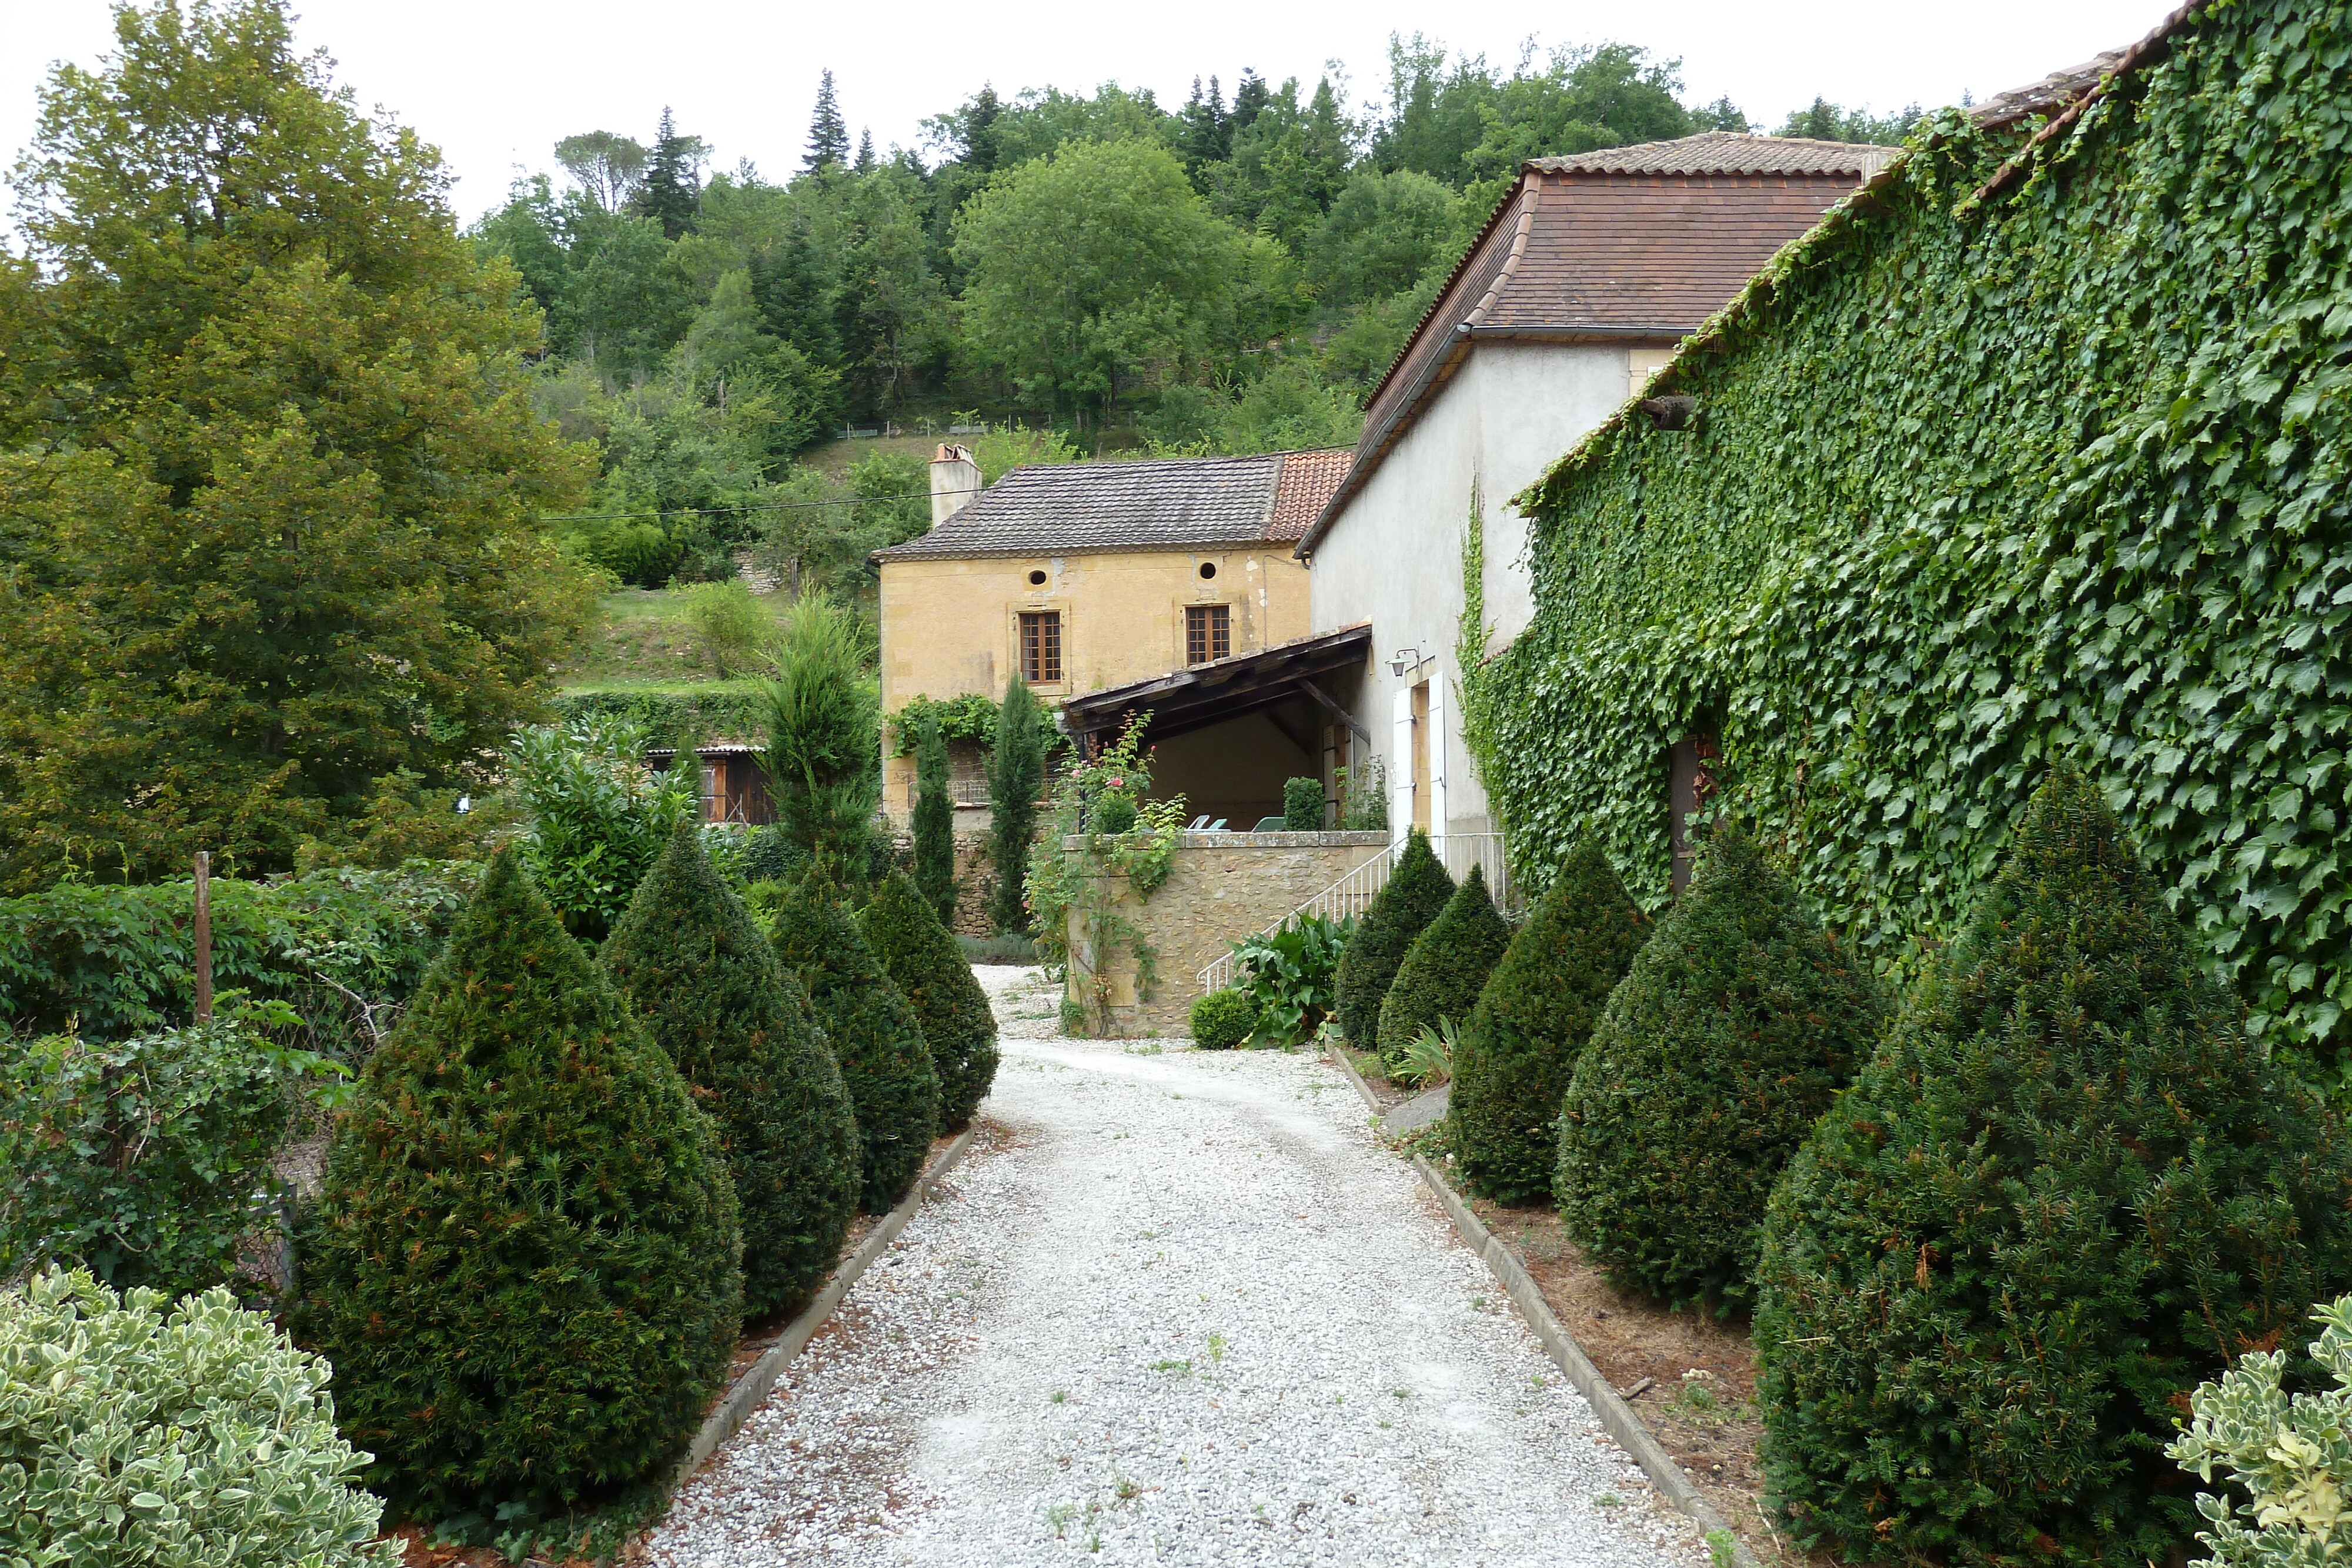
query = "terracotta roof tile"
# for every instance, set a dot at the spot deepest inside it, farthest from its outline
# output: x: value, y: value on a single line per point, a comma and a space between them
x: 1725, y: 152
x: 1308, y: 478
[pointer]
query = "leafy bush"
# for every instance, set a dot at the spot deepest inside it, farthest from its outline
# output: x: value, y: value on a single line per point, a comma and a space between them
x: 769, y: 856
x: 1302, y: 805
x: 971, y: 718
x: 1427, y: 1059
x: 823, y: 719
x: 1734, y: 1027
x: 525, y: 1264
x: 1113, y: 814
x: 1292, y: 972
x: 599, y: 816
x: 132, y: 1431
x: 1224, y: 1019
x: 924, y: 962
x: 732, y: 625
x: 933, y: 826
x: 1414, y: 894
x: 1444, y: 969
x: 1530, y: 1025
x: 145, y: 1161
x: 2291, y: 1458
x: 2064, y: 1190
x: 884, y: 1059
x: 1016, y: 777
x: 700, y: 972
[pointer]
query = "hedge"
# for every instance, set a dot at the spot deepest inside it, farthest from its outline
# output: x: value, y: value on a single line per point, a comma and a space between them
x: 1224, y: 1019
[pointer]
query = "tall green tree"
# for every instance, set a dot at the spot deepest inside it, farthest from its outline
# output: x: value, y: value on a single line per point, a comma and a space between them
x: 673, y: 182
x: 828, y: 137
x: 1016, y: 777
x: 824, y: 721
x: 934, y: 822
x: 610, y: 168
x: 270, y: 469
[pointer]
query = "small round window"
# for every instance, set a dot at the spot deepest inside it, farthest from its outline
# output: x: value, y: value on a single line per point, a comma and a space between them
x: 1208, y: 568
x: 1036, y: 579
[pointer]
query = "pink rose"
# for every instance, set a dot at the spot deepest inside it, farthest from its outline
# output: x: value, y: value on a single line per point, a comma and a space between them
x: 1118, y: 783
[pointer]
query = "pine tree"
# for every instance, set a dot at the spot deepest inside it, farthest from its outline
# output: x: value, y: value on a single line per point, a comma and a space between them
x: 934, y: 821
x: 864, y: 164
x: 2065, y: 1190
x: 524, y: 1264
x: 672, y: 192
x: 884, y: 1059
x: 1444, y: 971
x: 1512, y: 1063
x: 695, y: 965
x: 978, y: 130
x: 1016, y: 773
x: 925, y: 962
x: 1731, y: 1031
x: 1416, y: 893
x: 828, y: 139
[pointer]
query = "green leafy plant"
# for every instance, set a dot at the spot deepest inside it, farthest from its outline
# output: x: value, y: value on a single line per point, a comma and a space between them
x: 2290, y: 1456
x: 1532, y: 1023
x: 933, y: 828
x: 1224, y: 1019
x: 1302, y: 805
x: 134, y: 1431
x: 1016, y: 777
x: 695, y: 966
x: 599, y: 815
x: 733, y: 627
x: 525, y: 1261
x: 1416, y: 893
x: 1427, y: 1059
x: 2065, y: 1190
x: 1444, y: 969
x: 1292, y: 973
x: 875, y: 1036
x: 971, y: 718
x: 924, y: 962
x: 1363, y: 797
x: 822, y: 718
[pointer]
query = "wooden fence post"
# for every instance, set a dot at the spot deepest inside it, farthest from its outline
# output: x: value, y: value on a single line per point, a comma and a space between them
x: 203, y: 938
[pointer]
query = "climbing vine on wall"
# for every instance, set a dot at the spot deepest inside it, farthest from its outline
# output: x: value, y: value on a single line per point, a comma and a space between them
x: 1983, y: 486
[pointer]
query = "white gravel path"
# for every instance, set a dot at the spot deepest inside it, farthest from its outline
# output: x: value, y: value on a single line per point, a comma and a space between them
x: 1174, y: 1307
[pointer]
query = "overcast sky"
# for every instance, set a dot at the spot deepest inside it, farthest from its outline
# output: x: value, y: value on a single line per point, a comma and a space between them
x: 496, y: 82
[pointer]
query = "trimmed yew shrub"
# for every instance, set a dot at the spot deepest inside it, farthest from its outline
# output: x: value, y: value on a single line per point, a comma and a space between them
x: 877, y: 1042
x: 1732, y: 1029
x: 2064, y: 1191
x: 688, y: 956
x: 1413, y: 896
x: 1512, y: 1060
x: 925, y: 962
x: 524, y: 1265
x: 1444, y: 969
x: 1224, y: 1019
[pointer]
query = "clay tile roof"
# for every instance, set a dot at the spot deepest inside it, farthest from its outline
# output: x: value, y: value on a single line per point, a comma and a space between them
x: 1082, y: 509
x: 1308, y: 478
x: 1725, y: 152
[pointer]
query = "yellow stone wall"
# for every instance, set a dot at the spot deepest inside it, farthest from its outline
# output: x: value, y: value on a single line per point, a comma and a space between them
x: 950, y: 628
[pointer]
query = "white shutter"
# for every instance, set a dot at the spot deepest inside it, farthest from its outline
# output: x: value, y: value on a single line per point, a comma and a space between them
x: 1400, y: 763
x: 1437, y: 763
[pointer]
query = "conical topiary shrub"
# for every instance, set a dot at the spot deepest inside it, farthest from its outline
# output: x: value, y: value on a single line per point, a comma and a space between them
x: 688, y: 956
x: 924, y: 962
x: 1730, y: 1034
x: 2064, y: 1191
x: 884, y: 1059
x: 1413, y: 896
x: 1444, y: 969
x: 1512, y: 1063
x: 524, y: 1264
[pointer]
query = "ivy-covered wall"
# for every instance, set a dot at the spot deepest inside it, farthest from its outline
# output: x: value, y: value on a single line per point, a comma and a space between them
x: 1980, y: 487
x: 680, y: 716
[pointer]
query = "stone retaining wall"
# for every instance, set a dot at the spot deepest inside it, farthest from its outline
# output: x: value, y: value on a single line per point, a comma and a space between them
x: 1222, y: 887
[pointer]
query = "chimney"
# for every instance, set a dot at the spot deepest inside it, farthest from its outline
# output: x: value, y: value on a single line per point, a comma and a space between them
x: 955, y: 479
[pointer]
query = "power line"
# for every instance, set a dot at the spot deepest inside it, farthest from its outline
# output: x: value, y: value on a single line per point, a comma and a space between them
x: 763, y: 506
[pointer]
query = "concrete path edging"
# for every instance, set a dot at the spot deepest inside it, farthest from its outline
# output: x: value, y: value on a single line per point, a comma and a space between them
x: 1616, y: 1415
x: 762, y: 1375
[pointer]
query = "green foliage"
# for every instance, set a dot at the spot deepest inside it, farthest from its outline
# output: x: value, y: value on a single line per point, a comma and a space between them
x: 1442, y: 972
x: 145, y: 1161
x: 2114, y: 533
x: 134, y: 1431
x: 1364, y: 797
x: 1736, y: 1025
x: 686, y: 717
x: 1427, y: 1059
x: 1523, y: 1040
x: 1224, y: 1019
x: 824, y: 756
x: 701, y: 974
x: 1292, y: 972
x: 1016, y: 776
x: 1383, y: 233
x: 970, y: 718
x: 289, y: 549
x: 525, y: 1262
x: 1822, y: 120
x: 875, y: 1036
x: 924, y: 962
x: 2289, y: 1456
x: 599, y: 816
x: 2065, y: 1190
x: 933, y: 826
x: 1416, y: 893
x: 734, y: 626
x: 1302, y: 805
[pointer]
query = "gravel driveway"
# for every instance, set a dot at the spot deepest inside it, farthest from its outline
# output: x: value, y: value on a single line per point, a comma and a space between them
x: 1174, y: 1307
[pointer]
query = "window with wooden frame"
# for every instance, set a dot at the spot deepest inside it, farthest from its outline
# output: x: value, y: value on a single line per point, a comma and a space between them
x: 1208, y: 632
x: 1041, y: 646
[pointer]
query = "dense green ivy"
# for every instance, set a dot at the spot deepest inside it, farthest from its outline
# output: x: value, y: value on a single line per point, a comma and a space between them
x: 688, y: 716
x: 1983, y: 486
x: 970, y: 718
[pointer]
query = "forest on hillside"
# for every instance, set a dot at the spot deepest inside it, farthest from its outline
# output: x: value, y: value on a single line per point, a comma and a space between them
x: 1095, y: 272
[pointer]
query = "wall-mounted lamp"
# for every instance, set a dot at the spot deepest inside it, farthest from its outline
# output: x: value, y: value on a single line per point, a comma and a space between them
x: 1403, y: 659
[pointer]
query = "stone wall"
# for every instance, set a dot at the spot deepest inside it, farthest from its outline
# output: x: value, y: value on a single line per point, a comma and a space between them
x: 1222, y: 887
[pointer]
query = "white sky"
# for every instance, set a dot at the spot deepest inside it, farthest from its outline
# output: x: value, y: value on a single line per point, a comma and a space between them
x: 496, y: 82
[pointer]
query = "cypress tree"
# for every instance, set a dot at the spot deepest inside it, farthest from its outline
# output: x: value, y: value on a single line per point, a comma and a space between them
x: 1413, y: 896
x: 934, y: 823
x: 924, y: 962
x: 695, y: 965
x: 884, y: 1059
x: 1444, y: 969
x: 1512, y: 1063
x: 524, y: 1265
x: 2065, y: 1190
x: 1731, y: 1031
x: 1016, y: 772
